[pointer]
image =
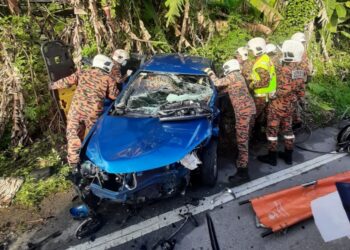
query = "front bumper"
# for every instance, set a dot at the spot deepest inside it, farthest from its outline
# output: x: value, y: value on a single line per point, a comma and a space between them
x: 150, y: 184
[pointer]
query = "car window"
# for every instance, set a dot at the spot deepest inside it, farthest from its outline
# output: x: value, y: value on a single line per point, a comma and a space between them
x: 148, y: 92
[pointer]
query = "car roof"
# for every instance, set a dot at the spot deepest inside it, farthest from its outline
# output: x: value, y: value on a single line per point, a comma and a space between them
x: 177, y: 63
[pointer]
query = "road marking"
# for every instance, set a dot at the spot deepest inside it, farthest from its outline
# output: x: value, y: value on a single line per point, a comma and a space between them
x: 145, y: 227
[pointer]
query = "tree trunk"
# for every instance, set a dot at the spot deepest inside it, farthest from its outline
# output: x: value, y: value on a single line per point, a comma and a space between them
x: 184, y: 24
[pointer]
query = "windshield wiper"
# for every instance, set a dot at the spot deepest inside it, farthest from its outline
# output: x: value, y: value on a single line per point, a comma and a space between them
x: 184, y: 118
x: 180, y: 111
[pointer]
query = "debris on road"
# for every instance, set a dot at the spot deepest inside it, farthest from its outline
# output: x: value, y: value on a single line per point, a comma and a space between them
x: 212, y: 233
x: 8, y: 190
x: 88, y: 227
x: 169, y: 243
x: 279, y: 210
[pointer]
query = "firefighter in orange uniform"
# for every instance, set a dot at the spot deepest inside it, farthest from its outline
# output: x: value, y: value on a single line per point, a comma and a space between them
x: 290, y: 76
x: 93, y: 86
x: 244, y: 108
x: 120, y: 58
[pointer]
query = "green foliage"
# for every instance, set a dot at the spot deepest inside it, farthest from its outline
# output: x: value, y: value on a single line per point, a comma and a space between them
x: 338, y: 13
x: 267, y: 8
x: 297, y: 14
x: 329, y: 89
x: 228, y: 4
x: 22, y: 161
x: 34, y: 191
x: 21, y: 35
x: 174, y: 10
x: 223, y: 46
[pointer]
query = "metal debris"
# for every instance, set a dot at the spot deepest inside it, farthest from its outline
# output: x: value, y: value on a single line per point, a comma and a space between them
x: 212, y: 233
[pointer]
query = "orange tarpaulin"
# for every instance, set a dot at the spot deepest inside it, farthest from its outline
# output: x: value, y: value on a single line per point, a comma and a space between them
x: 285, y: 208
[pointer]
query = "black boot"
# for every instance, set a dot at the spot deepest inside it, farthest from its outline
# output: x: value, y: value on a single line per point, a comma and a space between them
x: 270, y: 158
x: 287, y: 156
x: 240, y: 177
x: 297, y: 125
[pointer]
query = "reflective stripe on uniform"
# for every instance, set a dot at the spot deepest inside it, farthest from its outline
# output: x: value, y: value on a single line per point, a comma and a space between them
x: 270, y: 138
x: 260, y: 95
x: 289, y: 137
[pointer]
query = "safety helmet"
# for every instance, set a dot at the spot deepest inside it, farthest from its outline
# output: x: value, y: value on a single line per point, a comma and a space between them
x: 292, y: 51
x: 243, y: 52
x: 257, y: 45
x: 120, y: 56
x: 231, y: 65
x: 102, y: 62
x: 299, y: 36
x: 271, y: 48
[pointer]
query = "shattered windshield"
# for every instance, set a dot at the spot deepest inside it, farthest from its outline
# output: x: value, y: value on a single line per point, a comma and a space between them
x: 149, y: 92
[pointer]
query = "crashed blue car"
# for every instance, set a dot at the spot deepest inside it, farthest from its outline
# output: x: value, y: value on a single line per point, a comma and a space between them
x: 161, y: 131
x: 162, y: 128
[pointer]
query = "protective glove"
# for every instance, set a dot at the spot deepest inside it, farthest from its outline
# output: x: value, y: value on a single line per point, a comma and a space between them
x: 208, y: 71
x: 129, y: 72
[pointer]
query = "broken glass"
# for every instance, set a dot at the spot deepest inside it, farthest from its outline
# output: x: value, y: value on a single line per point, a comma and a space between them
x: 150, y: 91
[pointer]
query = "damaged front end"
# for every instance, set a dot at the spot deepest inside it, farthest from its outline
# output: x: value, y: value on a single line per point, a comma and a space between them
x: 142, y: 186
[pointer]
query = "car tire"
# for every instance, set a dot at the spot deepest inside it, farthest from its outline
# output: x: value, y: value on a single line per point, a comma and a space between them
x: 209, y: 167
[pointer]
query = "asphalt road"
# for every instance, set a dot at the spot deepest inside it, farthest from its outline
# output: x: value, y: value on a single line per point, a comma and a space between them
x: 234, y: 224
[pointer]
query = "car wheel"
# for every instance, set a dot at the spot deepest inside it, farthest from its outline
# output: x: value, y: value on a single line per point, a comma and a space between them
x: 209, y: 168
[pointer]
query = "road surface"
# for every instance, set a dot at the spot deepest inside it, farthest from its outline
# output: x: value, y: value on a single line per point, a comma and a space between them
x: 235, y: 225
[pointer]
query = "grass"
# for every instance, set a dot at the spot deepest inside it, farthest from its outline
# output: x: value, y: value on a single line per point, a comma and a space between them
x: 22, y: 161
x: 329, y: 90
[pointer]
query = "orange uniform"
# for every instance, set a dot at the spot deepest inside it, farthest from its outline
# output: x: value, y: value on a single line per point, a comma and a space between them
x: 290, y: 88
x: 244, y: 108
x: 94, y: 86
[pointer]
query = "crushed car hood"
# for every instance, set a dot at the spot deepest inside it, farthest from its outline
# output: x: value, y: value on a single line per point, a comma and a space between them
x: 125, y: 145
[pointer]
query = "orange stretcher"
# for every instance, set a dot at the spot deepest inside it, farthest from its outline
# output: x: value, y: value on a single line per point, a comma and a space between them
x: 279, y: 210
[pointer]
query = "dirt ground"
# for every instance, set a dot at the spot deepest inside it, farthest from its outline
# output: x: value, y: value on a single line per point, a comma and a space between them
x: 17, y: 220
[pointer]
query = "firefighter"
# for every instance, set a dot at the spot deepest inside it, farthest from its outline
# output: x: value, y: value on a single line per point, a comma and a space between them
x: 300, y: 37
x: 244, y: 108
x: 271, y: 51
x: 263, y: 76
x: 290, y: 75
x: 93, y: 85
x: 120, y: 58
x: 246, y: 65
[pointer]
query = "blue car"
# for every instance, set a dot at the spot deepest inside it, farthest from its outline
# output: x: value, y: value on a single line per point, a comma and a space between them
x: 162, y: 127
x: 161, y: 130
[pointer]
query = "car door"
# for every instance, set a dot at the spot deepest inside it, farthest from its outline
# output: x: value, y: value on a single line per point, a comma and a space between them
x: 59, y: 64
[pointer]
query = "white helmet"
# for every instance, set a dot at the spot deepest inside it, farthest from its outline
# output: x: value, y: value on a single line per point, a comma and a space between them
x: 299, y: 36
x: 257, y: 45
x: 231, y: 65
x: 292, y: 51
x: 243, y: 52
x: 120, y: 56
x: 102, y: 62
x: 271, y: 48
